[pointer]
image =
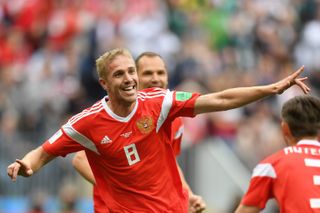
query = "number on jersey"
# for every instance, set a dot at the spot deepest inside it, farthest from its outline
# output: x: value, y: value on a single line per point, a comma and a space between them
x: 132, y: 154
x: 314, y: 202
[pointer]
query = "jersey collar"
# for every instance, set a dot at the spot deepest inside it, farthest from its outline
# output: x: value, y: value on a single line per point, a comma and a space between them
x: 308, y: 142
x: 115, y: 116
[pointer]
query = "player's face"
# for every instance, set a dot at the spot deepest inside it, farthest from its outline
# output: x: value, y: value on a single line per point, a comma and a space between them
x: 121, y: 80
x: 152, y: 73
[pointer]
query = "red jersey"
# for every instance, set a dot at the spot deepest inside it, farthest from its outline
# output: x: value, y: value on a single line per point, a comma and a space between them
x: 98, y: 203
x: 131, y: 157
x: 177, y: 131
x: 291, y: 176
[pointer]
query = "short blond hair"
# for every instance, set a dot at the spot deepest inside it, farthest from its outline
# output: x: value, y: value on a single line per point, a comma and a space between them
x: 102, y: 63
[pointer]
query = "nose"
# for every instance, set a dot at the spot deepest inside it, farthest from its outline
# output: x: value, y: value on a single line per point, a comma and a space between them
x: 155, y: 77
x: 127, y: 77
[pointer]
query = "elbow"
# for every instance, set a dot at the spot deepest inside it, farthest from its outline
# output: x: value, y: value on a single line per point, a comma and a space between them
x: 77, y: 159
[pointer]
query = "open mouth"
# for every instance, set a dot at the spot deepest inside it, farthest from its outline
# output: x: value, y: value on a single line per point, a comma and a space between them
x: 129, y: 90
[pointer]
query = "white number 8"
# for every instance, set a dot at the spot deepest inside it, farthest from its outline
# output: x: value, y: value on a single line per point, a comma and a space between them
x: 132, y: 154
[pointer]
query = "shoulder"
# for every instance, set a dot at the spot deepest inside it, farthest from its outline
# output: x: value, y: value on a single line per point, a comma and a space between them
x: 152, y: 92
x: 275, y: 157
x: 268, y: 166
x: 87, y: 114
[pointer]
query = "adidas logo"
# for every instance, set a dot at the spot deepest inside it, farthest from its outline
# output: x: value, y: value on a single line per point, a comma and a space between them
x: 105, y: 140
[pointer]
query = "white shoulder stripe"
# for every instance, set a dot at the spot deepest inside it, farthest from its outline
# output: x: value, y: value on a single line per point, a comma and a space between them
x: 80, y: 116
x: 78, y: 137
x: 84, y: 112
x: 152, y: 92
x: 165, y: 109
x: 149, y: 96
x: 264, y: 170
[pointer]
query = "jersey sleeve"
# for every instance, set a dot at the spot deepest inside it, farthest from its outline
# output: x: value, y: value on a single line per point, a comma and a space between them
x: 72, y: 137
x: 60, y: 144
x: 177, y: 132
x: 176, y: 104
x: 260, y: 188
x: 183, y: 104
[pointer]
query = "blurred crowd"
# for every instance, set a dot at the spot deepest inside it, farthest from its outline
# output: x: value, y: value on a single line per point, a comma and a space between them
x: 48, y: 51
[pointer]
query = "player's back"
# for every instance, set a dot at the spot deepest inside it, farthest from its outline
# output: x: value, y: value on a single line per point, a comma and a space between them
x: 297, y: 183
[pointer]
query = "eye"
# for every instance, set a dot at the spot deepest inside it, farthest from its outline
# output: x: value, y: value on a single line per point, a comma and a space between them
x: 132, y: 71
x: 117, y: 74
x: 161, y: 72
x: 147, y: 73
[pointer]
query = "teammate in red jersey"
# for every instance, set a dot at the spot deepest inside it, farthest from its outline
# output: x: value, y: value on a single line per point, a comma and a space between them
x: 152, y: 72
x: 127, y: 136
x: 292, y: 175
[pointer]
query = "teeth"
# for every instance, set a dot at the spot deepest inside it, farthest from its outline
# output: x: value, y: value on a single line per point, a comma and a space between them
x: 128, y: 88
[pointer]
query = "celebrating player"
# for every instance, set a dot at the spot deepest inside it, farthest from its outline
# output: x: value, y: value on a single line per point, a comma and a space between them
x: 127, y: 136
x: 292, y: 175
x: 152, y: 72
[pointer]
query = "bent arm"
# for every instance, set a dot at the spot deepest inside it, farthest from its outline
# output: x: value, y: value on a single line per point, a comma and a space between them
x: 29, y: 164
x: 185, y: 185
x: 37, y: 158
x: 237, y: 97
x: 81, y: 164
x: 247, y: 209
x: 196, y: 203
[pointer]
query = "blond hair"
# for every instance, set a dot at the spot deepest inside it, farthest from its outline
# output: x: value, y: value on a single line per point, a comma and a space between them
x: 102, y: 63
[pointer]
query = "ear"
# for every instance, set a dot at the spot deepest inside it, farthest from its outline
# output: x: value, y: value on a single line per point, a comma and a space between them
x: 286, y: 132
x: 103, y: 83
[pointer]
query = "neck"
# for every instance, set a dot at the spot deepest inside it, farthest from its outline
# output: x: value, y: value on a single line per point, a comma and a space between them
x: 122, y: 110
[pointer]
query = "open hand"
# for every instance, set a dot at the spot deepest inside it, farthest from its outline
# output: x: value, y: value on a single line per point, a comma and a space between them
x: 291, y: 80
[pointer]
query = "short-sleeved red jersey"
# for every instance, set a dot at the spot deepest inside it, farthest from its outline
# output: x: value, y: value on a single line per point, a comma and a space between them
x: 177, y: 132
x: 98, y: 203
x: 131, y: 157
x: 291, y: 176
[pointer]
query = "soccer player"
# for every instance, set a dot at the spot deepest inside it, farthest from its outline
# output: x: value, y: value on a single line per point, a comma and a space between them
x: 292, y: 175
x: 152, y: 72
x: 127, y: 136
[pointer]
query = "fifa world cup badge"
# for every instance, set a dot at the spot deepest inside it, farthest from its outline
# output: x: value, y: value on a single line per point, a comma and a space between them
x: 145, y: 124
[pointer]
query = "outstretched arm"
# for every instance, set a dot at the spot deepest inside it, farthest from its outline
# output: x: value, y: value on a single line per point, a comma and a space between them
x: 81, y: 164
x: 30, y: 163
x: 247, y: 209
x: 237, y: 97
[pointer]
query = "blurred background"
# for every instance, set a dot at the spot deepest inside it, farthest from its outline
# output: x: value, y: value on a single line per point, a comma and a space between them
x: 47, y: 73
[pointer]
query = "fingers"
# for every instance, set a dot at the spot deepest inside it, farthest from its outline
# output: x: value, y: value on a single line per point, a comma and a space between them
x: 21, y: 163
x: 26, y: 171
x: 298, y: 72
x: 13, y: 170
x: 196, y: 204
x: 293, y: 79
x: 18, y: 168
x: 302, y: 85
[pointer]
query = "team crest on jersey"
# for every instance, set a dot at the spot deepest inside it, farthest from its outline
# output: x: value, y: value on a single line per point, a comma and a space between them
x: 145, y: 124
